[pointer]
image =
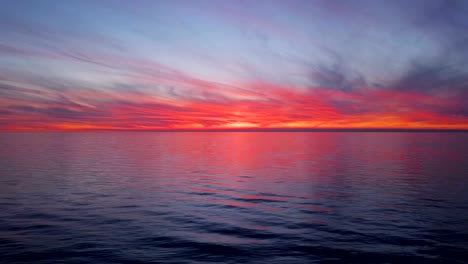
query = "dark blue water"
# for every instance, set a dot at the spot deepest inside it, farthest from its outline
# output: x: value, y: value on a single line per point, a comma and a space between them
x: 140, y: 197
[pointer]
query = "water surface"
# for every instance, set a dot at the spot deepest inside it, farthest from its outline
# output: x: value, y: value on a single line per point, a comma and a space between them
x: 238, y: 197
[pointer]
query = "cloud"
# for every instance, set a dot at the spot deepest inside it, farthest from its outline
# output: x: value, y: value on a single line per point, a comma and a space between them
x: 66, y: 77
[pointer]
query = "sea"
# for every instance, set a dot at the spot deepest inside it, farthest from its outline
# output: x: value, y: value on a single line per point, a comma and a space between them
x: 234, y: 197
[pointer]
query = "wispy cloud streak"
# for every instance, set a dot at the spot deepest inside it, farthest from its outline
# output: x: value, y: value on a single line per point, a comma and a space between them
x: 277, y: 64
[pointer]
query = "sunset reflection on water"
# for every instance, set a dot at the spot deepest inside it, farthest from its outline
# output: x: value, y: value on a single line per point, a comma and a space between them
x: 245, y: 196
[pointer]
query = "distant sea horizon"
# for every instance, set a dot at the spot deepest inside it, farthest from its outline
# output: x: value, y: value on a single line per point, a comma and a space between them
x: 247, y: 130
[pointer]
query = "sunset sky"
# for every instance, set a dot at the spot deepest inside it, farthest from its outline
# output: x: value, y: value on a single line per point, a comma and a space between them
x: 126, y: 65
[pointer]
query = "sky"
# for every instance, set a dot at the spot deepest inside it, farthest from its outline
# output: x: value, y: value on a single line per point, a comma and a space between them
x: 149, y: 65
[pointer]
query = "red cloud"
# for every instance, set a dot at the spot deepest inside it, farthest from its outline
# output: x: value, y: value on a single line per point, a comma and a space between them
x: 278, y: 107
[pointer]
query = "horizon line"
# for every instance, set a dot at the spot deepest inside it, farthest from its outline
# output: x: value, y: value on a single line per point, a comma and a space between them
x: 247, y: 130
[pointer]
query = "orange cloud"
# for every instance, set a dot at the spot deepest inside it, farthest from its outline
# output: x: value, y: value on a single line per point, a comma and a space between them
x: 256, y: 105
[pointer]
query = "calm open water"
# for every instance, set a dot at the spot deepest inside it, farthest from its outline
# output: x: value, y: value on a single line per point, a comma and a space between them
x: 234, y: 197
